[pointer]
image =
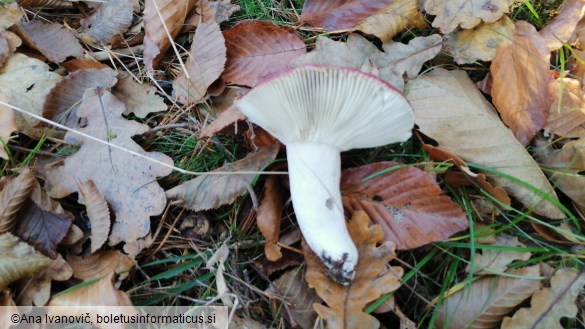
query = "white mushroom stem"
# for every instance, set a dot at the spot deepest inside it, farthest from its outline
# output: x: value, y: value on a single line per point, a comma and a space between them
x: 314, y: 174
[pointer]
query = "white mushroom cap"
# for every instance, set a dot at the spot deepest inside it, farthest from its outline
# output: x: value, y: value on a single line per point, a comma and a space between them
x: 318, y: 111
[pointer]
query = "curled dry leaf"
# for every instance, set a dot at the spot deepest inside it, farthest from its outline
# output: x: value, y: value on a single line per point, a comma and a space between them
x: 465, y: 13
x: 396, y: 17
x: 127, y: 182
x: 97, y: 212
x: 257, y: 50
x: 18, y: 260
x: 160, y: 17
x: 37, y: 290
x: 9, y: 15
x: 89, y: 298
x: 567, y: 112
x: 485, y: 303
x: 520, y: 82
x: 140, y: 99
x: 563, y: 27
x: 206, y: 61
x: 46, y: 4
x: 481, y: 42
x: 406, y: 202
x: 54, y: 41
x: 26, y: 82
x: 12, y: 197
x: 496, y: 260
x: 269, y: 217
x: 549, y: 305
x: 227, y: 117
x: 8, y: 44
x: 217, y: 10
x: 345, y: 304
x: 100, y: 264
x: 211, y: 191
x: 77, y: 64
x: 450, y: 109
x: 110, y: 19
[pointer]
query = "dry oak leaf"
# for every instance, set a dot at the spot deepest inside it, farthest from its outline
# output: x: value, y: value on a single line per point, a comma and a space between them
x: 13, y: 195
x: 8, y: 44
x: 465, y: 13
x: 562, y: 29
x: 100, y: 264
x: 110, y: 19
x: 37, y: 290
x: 345, y: 304
x: 217, y: 10
x: 26, y: 82
x: 139, y: 98
x: 257, y: 50
x: 205, y: 64
x: 567, y: 112
x: 269, y: 217
x: 211, y: 191
x: 451, y: 110
x: 52, y: 40
x: 162, y: 17
x: 495, y: 261
x: 98, y: 213
x: 7, y: 125
x: 18, y: 260
x: 127, y: 182
x: 486, y: 301
x: 390, y: 65
x: 549, y: 305
x: 520, y: 82
x: 406, y: 202
x: 481, y: 42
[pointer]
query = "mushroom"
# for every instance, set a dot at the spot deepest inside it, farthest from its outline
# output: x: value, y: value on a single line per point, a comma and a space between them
x: 317, y: 112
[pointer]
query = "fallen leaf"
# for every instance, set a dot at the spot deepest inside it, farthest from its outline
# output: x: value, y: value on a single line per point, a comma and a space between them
x: 396, y: 60
x: 37, y: 290
x: 396, y: 17
x: 211, y: 191
x: 269, y: 217
x: 204, y: 65
x: 406, y: 202
x: 97, y: 212
x: 9, y: 15
x: 77, y: 64
x: 227, y: 117
x: 140, y: 99
x: 89, y: 298
x: 12, y: 197
x: 451, y: 110
x: 100, y: 264
x: 562, y: 28
x: 127, y: 182
x: 520, y: 82
x: 219, y: 258
x: 465, y: 13
x: 46, y: 4
x: 567, y: 111
x: 217, y: 10
x: 549, y: 305
x: 8, y: 44
x: 162, y: 17
x: 373, y: 278
x: 257, y: 50
x: 497, y: 260
x: 110, y: 19
x: 481, y: 42
x: 486, y: 301
x: 52, y: 40
x: 26, y: 82
x: 7, y: 125
x: 18, y: 260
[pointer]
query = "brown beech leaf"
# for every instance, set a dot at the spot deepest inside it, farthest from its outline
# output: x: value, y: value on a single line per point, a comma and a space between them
x: 391, y: 64
x: 97, y: 212
x: 345, y: 304
x: 406, y: 202
x: 396, y: 17
x: 294, y: 291
x: 549, y: 305
x: 161, y: 16
x: 465, y: 13
x: 486, y: 301
x: 64, y: 99
x: 481, y: 42
x: 205, y: 64
x: 90, y: 297
x: 77, y: 64
x: 52, y: 40
x: 496, y: 260
x: 140, y: 99
x: 211, y: 191
x: 563, y: 27
x: 269, y: 217
x: 567, y: 112
x: 217, y: 10
x: 127, y: 182
x: 18, y: 260
x: 37, y: 290
x: 14, y: 194
x: 46, y: 4
x: 26, y: 81
x: 110, y: 19
x: 520, y: 85
x: 8, y: 44
x: 227, y: 117
x: 100, y: 264
x: 257, y: 50
x: 451, y: 110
